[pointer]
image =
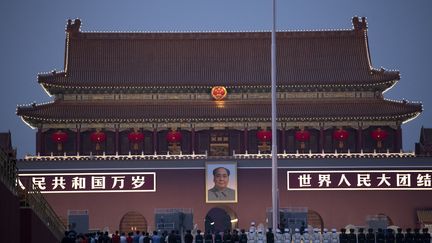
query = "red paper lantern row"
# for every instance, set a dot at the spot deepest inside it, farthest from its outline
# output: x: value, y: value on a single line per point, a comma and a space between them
x: 174, y: 136
x: 98, y: 137
x: 135, y: 137
x: 302, y: 136
x: 340, y: 135
x: 59, y: 137
x: 264, y: 135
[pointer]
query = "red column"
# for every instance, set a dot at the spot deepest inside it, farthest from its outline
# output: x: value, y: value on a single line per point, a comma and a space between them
x: 359, y: 144
x: 78, y: 141
x: 117, y: 141
x: 155, y: 140
x: 192, y: 140
x: 283, y: 140
x: 39, y: 141
x: 245, y: 140
x: 321, y: 139
x: 398, y: 139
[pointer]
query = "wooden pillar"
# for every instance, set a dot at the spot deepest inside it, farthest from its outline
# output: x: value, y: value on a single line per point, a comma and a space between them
x: 398, y: 139
x: 245, y: 140
x: 155, y: 146
x: 321, y: 139
x: 117, y: 140
x: 192, y: 140
x: 283, y: 145
x: 39, y: 141
x: 359, y: 143
x: 78, y: 141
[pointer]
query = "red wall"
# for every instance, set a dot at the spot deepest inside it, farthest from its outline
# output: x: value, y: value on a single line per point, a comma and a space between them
x: 185, y: 189
x: 10, y: 215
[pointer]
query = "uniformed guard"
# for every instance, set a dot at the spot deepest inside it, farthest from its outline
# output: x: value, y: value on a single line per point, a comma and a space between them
x: 316, y: 237
x: 417, y: 236
x: 260, y: 237
x: 297, y: 236
x: 306, y: 237
x: 279, y: 237
x: 235, y: 236
x: 409, y: 236
x: 218, y: 238
x: 334, y: 236
x: 380, y: 238
x: 287, y: 236
x: 326, y: 237
x: 251, y: 236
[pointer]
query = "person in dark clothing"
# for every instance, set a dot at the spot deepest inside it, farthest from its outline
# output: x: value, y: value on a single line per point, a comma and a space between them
x: 243, y: 237
x: 172, y: 237
x: 426, y: 236
x: 178, y: 237
x: 146, y: 238
x: 352, y: 237
x: 390, y: 237
x: 163, y: 237
x: 208, y: 237
x: 399, y: 236
x: 343, y: 237
x: 361, y: 237
x: 227, y: 237
x: 270, y: 236
x: 370, y: 236
x: 218, y: 238
x: 418, y: 238
x: 235, y: 237
x: 380, y: 238
x: 199, y: 238
x: 409, y: 236
x: 188, y: 238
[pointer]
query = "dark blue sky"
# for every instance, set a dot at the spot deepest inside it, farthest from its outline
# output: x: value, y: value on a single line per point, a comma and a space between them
x: 32, y: 40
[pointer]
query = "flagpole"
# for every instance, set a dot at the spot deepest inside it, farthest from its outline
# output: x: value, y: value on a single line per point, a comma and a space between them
x: 275, y: 190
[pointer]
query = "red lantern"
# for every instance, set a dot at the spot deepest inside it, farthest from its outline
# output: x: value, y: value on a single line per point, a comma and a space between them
x: 98, y: 137
x: 340, y: 135
x: 59, y: 137
x: 302, y: 136
x: 219, y: 92
x: 135, y: 138
x: 264, y: 135
x: 173, y: 136
x: 379, y: 135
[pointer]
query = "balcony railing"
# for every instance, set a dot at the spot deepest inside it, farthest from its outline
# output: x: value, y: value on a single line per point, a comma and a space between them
x: 235, y: 155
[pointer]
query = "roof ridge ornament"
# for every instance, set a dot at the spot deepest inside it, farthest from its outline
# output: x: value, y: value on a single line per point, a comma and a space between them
x: 359, y: 24
x: 74, y: 26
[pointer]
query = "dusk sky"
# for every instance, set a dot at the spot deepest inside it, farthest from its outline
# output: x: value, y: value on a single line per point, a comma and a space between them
x: 33, y: 40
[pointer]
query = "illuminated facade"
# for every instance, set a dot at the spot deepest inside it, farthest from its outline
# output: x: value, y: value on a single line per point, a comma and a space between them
x: 168, y: 103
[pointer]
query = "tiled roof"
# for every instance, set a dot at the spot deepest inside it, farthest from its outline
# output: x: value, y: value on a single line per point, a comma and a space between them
x: 190, y: 111
x: 97, y: 59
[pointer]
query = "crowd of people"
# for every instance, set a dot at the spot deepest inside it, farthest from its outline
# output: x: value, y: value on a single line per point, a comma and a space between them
x: 258, y: 235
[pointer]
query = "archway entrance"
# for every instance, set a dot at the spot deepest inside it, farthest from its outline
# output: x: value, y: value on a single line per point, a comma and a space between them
x: 133, y: 221
x: 315, y: 220
x: 219, y: 219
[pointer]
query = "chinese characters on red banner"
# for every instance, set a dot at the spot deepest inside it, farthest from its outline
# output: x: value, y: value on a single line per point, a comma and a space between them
x: 90, y: 182
x: 360, y: 180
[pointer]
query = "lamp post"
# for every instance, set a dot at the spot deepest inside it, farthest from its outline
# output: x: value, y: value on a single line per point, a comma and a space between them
x: 275, y: 190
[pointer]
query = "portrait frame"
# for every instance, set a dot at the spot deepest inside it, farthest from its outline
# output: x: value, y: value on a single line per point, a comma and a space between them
x: 232, y: 183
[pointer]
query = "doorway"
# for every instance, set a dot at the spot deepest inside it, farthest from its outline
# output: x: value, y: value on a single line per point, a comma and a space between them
x: 220, y: 219
x: 133, y: 221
